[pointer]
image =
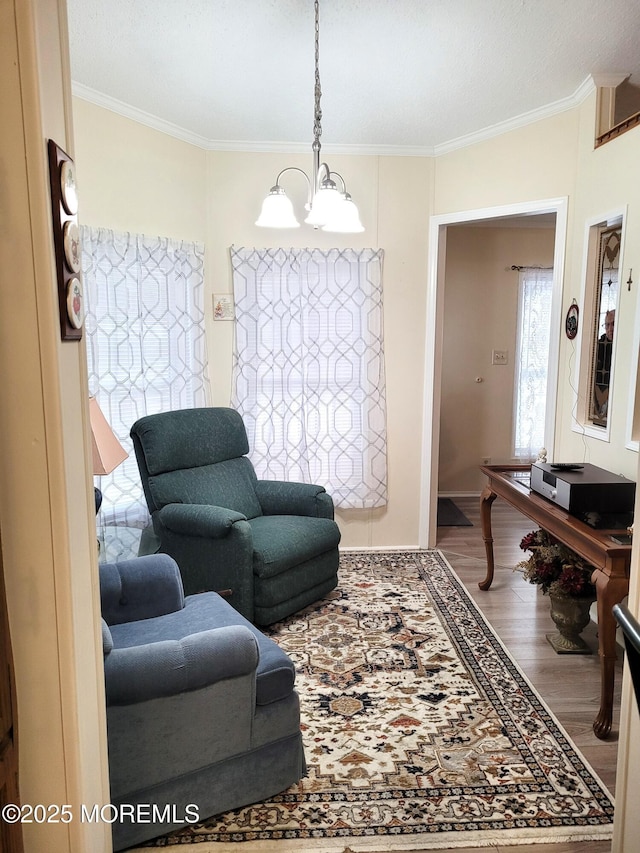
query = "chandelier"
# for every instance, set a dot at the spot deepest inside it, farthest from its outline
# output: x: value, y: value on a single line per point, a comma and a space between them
x: 329, y: 205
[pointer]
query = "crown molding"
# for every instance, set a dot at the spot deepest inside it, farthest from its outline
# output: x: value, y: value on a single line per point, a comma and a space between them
x: 85, y: 93
x: 555, y: 108
x: 154, y: 122
x: 609, y: 81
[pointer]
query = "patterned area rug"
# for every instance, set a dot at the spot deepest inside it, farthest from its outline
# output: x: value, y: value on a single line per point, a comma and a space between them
x: 420, y: 731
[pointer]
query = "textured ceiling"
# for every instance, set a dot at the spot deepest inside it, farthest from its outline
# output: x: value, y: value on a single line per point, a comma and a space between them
x: 411, y: 74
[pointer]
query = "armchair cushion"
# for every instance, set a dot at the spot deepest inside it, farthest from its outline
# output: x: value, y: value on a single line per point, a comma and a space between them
x: 289, y: 542
x: 278, y: 497
x: 275, y: 673
x: 171, y: 667
x: 140, y: 588
x: 199, y: 519
x: 107, y: 639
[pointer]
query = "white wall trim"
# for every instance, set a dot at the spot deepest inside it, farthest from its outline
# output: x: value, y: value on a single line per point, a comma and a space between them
x: 86, y: 93
x: 474, y: 494
x: 546, y: 111
x: 433, y: 350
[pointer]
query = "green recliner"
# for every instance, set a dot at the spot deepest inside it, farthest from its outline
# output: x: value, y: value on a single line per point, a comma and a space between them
x: 270, y: 547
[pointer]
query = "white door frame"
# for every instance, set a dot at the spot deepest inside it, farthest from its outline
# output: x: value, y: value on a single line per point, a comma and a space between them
x: 433, y: 345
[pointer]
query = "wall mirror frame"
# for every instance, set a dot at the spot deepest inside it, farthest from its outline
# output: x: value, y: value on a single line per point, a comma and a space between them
x: 633, y: 407
x: 601, y: 283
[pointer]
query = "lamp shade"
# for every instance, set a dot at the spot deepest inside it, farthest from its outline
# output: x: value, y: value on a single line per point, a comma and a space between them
x: 108, y: 453
x: 277, y: 211
x: 324, y: 205
x: 345, y: 219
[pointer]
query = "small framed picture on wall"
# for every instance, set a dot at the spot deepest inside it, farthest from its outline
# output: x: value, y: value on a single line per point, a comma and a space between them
x: 223, y: 306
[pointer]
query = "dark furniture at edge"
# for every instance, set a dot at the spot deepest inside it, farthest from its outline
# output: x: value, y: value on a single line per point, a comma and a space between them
x: 631, y: 633
x: 10, y: 833
x: 610, y: 561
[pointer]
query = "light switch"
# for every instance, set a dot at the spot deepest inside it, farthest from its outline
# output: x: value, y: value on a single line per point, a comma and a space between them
x: 500, y: 356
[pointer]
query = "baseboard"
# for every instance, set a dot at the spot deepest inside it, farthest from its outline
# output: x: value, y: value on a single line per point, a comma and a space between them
x: 381, y: 549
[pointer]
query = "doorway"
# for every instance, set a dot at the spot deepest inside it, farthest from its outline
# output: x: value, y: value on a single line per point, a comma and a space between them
x: 446, y: 234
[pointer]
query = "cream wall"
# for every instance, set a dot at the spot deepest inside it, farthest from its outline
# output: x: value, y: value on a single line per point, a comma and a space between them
x: 604, y: 186
x: 134, y: 178
x: 480, y: 315
x: 537, y: 161
x: 131, y: 178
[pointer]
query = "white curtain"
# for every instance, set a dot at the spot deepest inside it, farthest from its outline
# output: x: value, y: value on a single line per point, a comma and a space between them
x: 532, y: 361
x: 145, y: 339
x: 308, y: 374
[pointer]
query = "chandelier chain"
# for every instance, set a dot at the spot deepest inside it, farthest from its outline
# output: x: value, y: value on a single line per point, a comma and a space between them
x: 317, y: 117
x: 329, y: 205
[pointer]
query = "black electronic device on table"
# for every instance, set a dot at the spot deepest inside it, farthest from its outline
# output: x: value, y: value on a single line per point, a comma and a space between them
x: 600, y: 498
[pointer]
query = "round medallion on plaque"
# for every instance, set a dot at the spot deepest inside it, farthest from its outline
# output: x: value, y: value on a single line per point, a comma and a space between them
x: 71, y: 242
x: 68, y: 187
x: 75, y: 302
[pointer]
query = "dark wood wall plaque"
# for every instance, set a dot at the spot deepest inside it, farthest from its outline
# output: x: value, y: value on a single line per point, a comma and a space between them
x: 64, y: 209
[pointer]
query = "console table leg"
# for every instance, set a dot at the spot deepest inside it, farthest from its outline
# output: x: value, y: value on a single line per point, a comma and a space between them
x: 609, y: 592
x: 486, y: 500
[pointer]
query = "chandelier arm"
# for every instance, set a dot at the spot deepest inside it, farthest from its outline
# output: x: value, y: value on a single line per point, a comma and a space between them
x: 306, y: 177
x: 324, y: 174
x: 342, y: 180
x: 321, y: 187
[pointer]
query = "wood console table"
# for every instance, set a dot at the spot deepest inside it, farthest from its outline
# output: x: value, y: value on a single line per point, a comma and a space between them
x: 611, y: 562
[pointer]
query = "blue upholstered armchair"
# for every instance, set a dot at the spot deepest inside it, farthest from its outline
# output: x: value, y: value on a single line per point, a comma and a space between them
x: 202, y: 715
x: 272, y: 546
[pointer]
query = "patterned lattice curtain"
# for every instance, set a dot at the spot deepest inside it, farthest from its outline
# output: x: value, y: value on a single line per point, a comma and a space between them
x: 532, y: 361
x: 308, y: 373
x: 146, y: 347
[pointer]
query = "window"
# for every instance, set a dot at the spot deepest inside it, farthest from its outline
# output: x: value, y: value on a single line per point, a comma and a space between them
x: 309, y: 368
x: 145, y: 341
x: 532, y: 358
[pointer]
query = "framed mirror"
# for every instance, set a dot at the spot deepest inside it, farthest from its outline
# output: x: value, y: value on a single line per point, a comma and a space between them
x: 596, y: 338
x: 606, y: 294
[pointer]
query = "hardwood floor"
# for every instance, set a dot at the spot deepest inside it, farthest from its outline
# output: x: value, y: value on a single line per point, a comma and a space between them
x: 519, y: 613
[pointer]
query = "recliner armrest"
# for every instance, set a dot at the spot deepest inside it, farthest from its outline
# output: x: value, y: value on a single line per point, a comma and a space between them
x: 140, y: 588
x: 278, y: 497
x: 169, y: 667
x: 211, y: 522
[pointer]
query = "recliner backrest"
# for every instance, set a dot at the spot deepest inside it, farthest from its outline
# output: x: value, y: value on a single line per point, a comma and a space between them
x: 229, y: 484
x: 196, y: 456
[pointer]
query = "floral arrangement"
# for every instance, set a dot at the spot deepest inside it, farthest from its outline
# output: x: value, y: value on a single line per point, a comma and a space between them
x: 554, y: 567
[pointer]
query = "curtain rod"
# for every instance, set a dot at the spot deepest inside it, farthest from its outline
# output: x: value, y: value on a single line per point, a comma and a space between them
x: 517, y: 267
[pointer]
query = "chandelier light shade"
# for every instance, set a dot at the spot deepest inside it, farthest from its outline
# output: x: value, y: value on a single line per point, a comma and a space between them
x: 329, y: 205
x: 277, y: 210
